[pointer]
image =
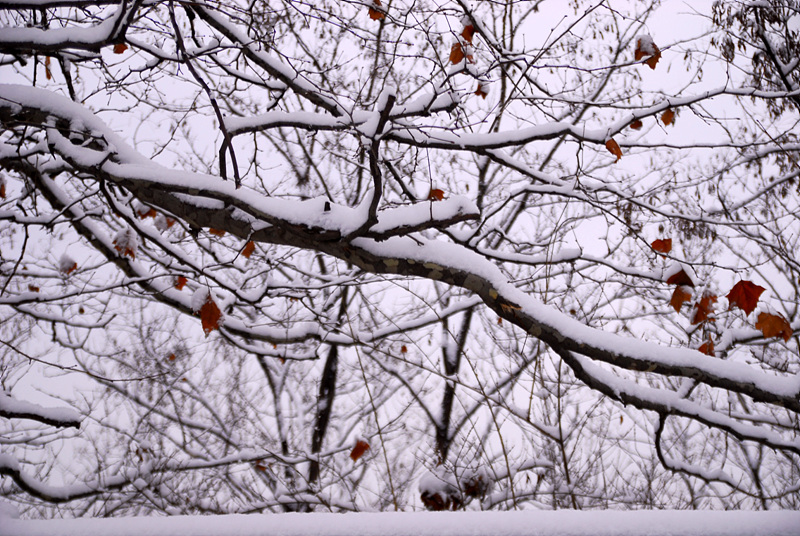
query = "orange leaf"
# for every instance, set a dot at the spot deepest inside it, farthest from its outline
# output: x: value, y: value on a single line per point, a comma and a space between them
x: 704, y: 309
x: 662, y: 245
x: 261, y: 467
x: 119, y: 48
x: 679, y: 297
x: 456, y: 53
x: 636, y: 125
x: 744, y: 295
x: 481, y: 92
x: 654, y: 59
x: 33, y: 288
x: 376, y: 14
x: 248, y: 250
x: 403, y: 349
x: 774, y: 326
x: 436, y: 195
x: 359, y: 450
x: 468, y: 32
x: 47, y: 72
x: 172, y: 357
x: 668, y: 117
x: 613, y: 148
x: 216, y: 232
x: 210, y: 315
x: 646, y: 48
x: 180, y: 282
x: 707, y: 348
x: 680, y: 278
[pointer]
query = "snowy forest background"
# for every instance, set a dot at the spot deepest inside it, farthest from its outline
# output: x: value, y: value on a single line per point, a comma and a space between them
x: 314, y: 256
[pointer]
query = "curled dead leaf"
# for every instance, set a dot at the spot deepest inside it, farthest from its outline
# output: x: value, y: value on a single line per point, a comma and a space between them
x: 456, y: 53
x: 707, y: 348
x: 704, y: 309
x: 376, y: 14
x: 636, y: 125
x: 210, y: 315
x: 613, y: 148
x: 359, y: 450
x: 680, y: 295
x: 668, y: 117
x: 653, y: 60
x: 468, y: 32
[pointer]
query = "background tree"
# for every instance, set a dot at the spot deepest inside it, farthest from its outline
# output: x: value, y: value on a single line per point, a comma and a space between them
x: 496, y: 256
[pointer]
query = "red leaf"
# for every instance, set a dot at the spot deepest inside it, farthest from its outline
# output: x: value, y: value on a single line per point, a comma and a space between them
x: 680, y: 278
x: 744, y: 295
x: 403, y: 349
x: 679, y: 297
x: 33, y: 288
x: 647, y: 48
x: 248, y: 250
x: 468, y: 32
x: 216, y: 232
x: 704, y: 309
x: 481, y: 92
x: 171, y: 357
x: 654, y: 59
x: 180, y: 282
x: 456, y: 53
x: 636, y: 125
x: 668, y: 117
x: 613, y: 148
x: 359, y: 450
x: 436, y: 195
x: 119, y: 48
x: 2, y: 188
x: 662, y: 245
x: 376, y: 14
x: 774, y: 326
x: 210, y: 315
x: 47, y: 72
x: 707, y: 348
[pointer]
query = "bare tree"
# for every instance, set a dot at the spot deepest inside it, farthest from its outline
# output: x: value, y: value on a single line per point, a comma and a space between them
x: 352, y: 255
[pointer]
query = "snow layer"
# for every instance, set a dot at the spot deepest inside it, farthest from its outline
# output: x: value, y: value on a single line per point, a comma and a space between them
x: 528, y: 523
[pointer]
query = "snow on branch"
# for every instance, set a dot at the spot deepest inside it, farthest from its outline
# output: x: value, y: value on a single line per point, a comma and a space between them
x: 11, y: 408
